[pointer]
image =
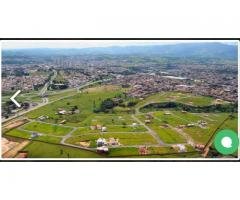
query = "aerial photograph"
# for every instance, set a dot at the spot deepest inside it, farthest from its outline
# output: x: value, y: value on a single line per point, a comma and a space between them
x: 117, y: 99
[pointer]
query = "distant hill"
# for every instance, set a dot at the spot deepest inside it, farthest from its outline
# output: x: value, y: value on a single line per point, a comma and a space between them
x: 207, y: 49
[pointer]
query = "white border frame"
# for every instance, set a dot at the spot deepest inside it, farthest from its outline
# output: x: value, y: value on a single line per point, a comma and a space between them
x: 125, y: 159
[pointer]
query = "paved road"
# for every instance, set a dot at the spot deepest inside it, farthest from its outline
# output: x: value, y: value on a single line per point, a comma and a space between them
x: 41, y: 94
x: 181, y: 132
x: 92, y: 83
x: 46, y: 101
x: 64, y: 138
x: 45, y: 134
x: 204, y: 117
x: 45, y: 87
x: 146, y: 103
x: 116, y: 125
x: 30, y: 120
x: 185, y: 135
x: 152, y: 132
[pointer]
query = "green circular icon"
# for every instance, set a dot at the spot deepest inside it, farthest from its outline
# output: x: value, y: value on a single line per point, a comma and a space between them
x: 226, y: 142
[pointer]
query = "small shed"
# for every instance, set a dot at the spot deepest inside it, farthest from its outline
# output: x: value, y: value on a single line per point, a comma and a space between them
x: 147, y: 121
x: 134, y: 124
x: 62, y: 122
x: 62, y: 112
x: 104, y: 129
x: 99, y: 127
x: 34, y: 135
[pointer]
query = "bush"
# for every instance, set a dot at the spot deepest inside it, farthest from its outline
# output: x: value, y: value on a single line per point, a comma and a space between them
x: 131, y: 103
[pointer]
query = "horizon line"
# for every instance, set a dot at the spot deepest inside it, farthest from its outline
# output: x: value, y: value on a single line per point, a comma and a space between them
x: 64, y: 44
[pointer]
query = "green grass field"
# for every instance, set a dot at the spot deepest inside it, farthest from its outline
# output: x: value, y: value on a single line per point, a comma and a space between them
x: 47, y: 128
x: 185, y: 98
x: 231, y: 124
x: 123, y: 152
x: 18, y: 133
x: 85, y: 102
x: 26, y: 135
x: 176, y: 118
x: 112, y: 128
x: 53, y: 96
x: 120, y: 128
x: 107, y: 119
x: 43, y: 150
x: 166, y: 123
x: 202, y: 135
x: 166, y: 134
x: 49, y: 139
x: 153, y: 152
x: 124, y: 138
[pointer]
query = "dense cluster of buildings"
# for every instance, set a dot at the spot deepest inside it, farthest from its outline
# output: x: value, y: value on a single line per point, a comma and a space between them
x: 143, y: 84
x: 24, y: 83
x: 144, y: 76
x: 75, y: 79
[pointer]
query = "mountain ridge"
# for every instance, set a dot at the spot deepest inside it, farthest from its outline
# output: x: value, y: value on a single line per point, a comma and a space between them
x: 206, y: 49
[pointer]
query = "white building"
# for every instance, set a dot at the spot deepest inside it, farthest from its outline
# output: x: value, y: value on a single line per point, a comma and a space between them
x: 104, y: 129
x: 101, y: 142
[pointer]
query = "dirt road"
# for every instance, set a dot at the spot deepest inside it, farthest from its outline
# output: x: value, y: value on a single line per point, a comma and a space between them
x: 13, y: 152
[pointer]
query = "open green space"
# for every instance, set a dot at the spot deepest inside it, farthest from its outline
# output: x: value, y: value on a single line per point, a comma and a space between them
x: 76, y: 110
x: 26, y: 135
x: 169, y: 118
x: 18, y: 133
x: 186, y: 155
x: 153, y: 152
x: 231, y: 123
x: 48, y: 138
x: 107, y: 119
x: 29, y: 97
x: 38, y: 149
x: 122, y: 128
x: 167, y: 134
x: 84, y: 130
x: 196, y: 100
x: 47, y: 128
x: 53, y: 95
x: 202, y: 135
x: 124, y: 138
x: 216, y: 108
x: 90, y: 137
x: 112, y: 128
x: 186, y: 98
x: 84, y: 102
x: 43, y: 150
x: 123, y: 152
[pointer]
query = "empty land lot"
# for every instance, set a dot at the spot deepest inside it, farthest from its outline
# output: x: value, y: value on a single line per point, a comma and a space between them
x: 170, y: 125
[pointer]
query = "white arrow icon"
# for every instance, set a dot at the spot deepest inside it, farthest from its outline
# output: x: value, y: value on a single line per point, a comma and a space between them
x: 13, y: 99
